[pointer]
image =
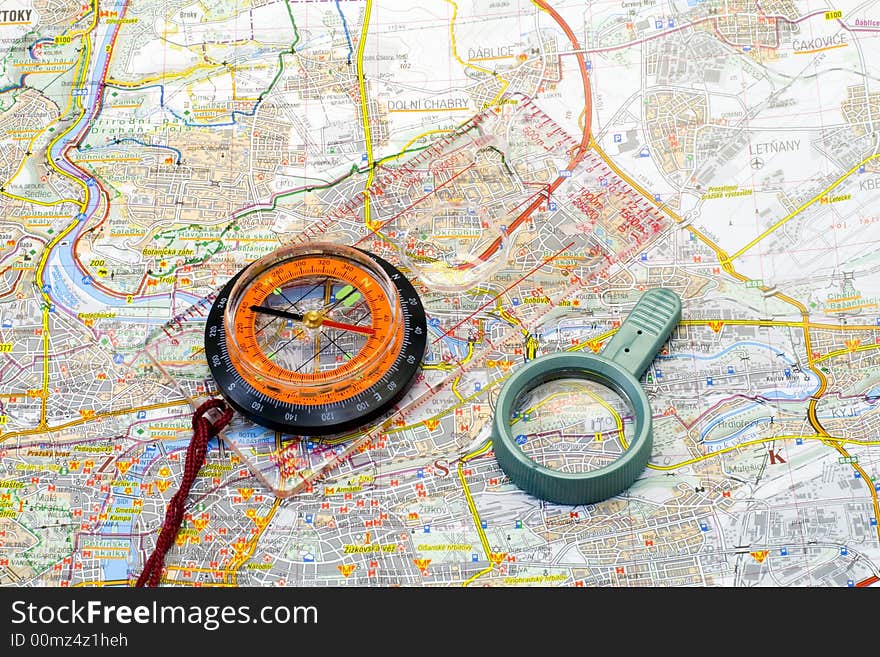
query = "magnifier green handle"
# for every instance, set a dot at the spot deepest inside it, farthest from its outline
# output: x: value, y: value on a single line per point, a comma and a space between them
x: 640, y: 337
x: 623, y: 361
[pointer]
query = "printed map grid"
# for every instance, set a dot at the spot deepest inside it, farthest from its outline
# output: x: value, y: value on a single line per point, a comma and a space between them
x: 725, y: 149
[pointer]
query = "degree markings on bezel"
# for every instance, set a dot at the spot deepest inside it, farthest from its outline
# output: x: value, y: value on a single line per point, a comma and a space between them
x: 349, y: 407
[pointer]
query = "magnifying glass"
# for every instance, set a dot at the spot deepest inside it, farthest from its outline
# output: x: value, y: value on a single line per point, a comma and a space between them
x: 575, y: 428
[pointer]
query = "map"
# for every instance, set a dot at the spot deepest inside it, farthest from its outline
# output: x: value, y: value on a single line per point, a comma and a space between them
x: 726, y: 149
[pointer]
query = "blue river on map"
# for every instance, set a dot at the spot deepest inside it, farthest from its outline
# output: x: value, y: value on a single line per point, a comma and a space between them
x: 770, y: 395
x: 64, y: 250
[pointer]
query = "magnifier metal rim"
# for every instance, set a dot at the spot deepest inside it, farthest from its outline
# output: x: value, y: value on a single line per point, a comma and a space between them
x: 573, y: 487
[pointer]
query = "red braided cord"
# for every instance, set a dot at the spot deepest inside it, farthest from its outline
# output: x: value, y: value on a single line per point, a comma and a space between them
x: 203, y: 431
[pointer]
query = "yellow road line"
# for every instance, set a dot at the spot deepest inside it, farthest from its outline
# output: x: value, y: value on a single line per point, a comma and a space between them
x: 836, y: 445
x: 758, y: 441
x: 45, y: 204
x: 468, y: 64
x: 719, y: 252
x: 75, y: 423
x: 454, y: 387
x: 484, y: 541
x: 793, y: 324
x: 843, y: 352
x: 727, y: 265
x: 617, y: 419
x: 71, y: 102
x: 595, y: 340
x: 165, y: 76
x: 848, y: 308
x: 415, y: 139
x: 596, y: 398
x: 209, y: 571
x: 365, y: 118
x: 810, y: 52
x: 232, y: 578
x: 800, y: 208
x: 104, y: 582
x: 47, y: 301
x: 44, y: 257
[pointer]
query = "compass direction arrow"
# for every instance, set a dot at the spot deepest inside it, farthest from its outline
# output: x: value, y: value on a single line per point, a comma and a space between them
x: 366, y: 330
x: 277, y: 312
x: 298, y: 317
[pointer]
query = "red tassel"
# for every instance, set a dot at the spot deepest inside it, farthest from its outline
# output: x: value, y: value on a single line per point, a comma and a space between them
x: 203, y: 431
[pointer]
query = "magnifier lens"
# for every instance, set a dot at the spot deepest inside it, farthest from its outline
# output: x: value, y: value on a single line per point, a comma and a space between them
x: 453, y: 250
x: 572, y: 425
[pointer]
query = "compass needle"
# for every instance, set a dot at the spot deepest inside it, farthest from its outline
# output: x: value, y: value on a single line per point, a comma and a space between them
x: 348, y: 327
x: 277, y: 312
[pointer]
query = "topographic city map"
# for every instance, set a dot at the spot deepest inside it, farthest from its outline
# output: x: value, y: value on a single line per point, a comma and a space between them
x: 724, y: 149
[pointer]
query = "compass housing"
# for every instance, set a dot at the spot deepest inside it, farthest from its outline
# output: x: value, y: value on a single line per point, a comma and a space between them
x: 316, y: 363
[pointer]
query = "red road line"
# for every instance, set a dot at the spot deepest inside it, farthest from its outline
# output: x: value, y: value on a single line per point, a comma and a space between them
x: 867, y: 582
x: 585, y: 79
x: 583, y: 147
x: 14, y: 283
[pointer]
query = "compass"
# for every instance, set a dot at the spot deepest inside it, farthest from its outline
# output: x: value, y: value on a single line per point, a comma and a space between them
x: 316, y: 339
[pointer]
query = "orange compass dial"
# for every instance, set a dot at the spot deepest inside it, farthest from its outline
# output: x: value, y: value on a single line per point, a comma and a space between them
x: 315, y: 339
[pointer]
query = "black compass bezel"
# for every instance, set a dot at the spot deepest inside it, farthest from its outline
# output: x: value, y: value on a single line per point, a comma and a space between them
x: 329, y: 419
